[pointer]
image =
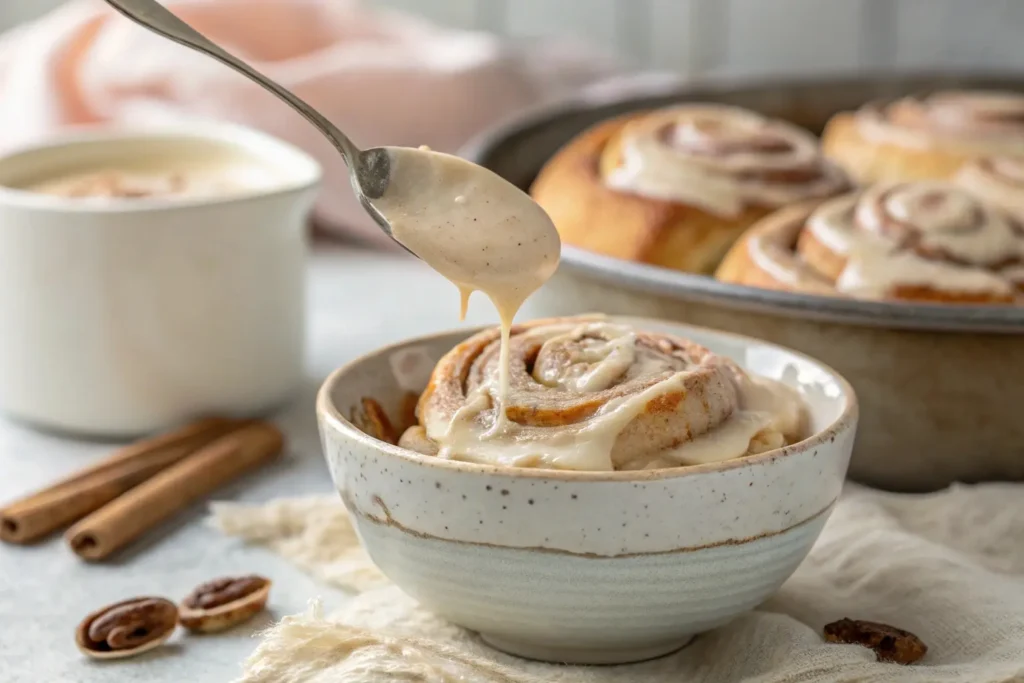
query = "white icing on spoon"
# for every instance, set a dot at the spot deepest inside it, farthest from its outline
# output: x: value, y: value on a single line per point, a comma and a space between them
x: 473, y: 227
x: 484, y: 234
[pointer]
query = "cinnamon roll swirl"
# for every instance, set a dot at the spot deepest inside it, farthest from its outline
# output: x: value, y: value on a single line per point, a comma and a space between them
x: 996, y: 180
x: 588, y: 394
x: 924, y: 241
x: 675, y: 187
x: 925, y: 138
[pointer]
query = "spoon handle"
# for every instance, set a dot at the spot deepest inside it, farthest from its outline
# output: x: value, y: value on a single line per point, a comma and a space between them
x: 157, y: 18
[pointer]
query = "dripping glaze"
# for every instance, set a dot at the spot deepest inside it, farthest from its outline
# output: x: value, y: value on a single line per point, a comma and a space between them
x: 723, y: 159
x: 484, y: 234
x: 476, y: 229
x: 951, y: 221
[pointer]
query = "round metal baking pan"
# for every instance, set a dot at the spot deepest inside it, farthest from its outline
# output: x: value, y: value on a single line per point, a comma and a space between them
x: 516, y: 150
x: 939, y: 385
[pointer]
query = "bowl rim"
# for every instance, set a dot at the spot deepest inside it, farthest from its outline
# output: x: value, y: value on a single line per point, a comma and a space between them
x: 304, y: 172
x: 691, y: 287
x: 330, y: 416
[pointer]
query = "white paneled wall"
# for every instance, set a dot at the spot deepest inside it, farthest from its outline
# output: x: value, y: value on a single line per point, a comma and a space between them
x: 753, y: 37
x: 457, y: 13
x: 667, y: 42
x: 746, y: 37
x: 15, y: 11
x: 794, y: 36
x: 593, y: 20
x: 983, y: 32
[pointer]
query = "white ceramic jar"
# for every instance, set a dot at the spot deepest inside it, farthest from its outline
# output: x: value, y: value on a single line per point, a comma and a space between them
x: 122, y: 316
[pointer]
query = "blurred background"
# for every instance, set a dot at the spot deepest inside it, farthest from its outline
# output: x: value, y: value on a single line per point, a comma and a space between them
x: 122, y: 320
x: 737, y: 37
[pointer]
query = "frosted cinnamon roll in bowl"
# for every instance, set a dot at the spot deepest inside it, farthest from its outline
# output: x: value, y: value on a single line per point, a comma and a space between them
x: 923, y: 241
x: 675, y: 187
x: 925, y: 137
x: 594, y: 395
x: 641, y: 482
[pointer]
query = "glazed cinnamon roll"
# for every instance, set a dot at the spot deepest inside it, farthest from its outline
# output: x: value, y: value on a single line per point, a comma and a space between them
x: 588, y: 394
x: 675, y: 187
x: 996, y: 180
x: 924, y: 241
x: 925, y: 138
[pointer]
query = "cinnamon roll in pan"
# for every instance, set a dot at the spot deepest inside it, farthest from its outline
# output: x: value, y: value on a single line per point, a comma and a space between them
x: 922, y: 138
x: 940, y: 385
x: 996, y: 180
x: 675, y: 187
x: 590, y: 394
x: 926, y: 241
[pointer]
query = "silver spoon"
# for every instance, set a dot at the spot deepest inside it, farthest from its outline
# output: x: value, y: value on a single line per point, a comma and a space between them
x: 369, y: 170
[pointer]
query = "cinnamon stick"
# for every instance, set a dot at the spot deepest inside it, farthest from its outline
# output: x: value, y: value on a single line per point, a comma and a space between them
x: 40, y: 513
x: 125, y: 519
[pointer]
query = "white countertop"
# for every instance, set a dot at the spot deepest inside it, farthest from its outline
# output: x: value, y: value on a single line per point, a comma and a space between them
x: 358, y: 301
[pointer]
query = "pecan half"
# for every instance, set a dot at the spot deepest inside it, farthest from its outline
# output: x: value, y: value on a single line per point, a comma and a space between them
x: 890, y: 644
x: 127, y: 628
x: 220, y: 604
x: 373, y: 419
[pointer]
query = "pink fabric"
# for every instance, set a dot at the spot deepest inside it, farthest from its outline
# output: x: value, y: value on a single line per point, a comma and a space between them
x: 383, y: 78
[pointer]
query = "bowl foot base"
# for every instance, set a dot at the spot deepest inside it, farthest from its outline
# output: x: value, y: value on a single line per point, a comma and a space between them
x: 572, y: 655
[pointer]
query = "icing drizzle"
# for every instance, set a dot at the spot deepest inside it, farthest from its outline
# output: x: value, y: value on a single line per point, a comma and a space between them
x: 722, y: 159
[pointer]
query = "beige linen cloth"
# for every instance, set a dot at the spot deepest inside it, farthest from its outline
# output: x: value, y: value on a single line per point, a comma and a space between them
x: 947, y: 566
x: 384, y: 78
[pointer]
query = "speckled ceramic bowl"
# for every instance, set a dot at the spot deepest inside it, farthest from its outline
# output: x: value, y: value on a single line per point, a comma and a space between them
x: 588, y: 567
